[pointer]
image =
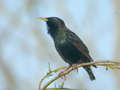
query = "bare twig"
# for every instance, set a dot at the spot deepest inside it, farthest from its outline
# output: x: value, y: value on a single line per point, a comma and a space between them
x: 107, y: 64
x: 56, y: 70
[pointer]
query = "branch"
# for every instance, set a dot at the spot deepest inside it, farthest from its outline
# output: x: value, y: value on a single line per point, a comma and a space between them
x: 107, y: 64
x: 48, y: 74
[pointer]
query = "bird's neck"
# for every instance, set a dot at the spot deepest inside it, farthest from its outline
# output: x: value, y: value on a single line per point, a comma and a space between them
x: 55, y: 32
x: 60, y: 37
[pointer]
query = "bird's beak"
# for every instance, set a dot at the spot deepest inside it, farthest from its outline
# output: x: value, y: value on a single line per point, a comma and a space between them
x: 44, y: 19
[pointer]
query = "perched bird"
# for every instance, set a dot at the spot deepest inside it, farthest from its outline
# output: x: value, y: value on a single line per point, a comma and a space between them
x: 68, y: 44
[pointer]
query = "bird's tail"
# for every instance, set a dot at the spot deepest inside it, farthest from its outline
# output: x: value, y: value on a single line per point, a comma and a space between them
x: 92, y: 61
x: 90, y: 73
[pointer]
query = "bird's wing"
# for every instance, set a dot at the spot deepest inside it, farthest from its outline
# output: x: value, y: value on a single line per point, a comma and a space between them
x: 75, y: 41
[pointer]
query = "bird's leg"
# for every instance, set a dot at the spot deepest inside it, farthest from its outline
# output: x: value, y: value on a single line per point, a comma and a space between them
x: 75, y: 67
x: 64, y: 71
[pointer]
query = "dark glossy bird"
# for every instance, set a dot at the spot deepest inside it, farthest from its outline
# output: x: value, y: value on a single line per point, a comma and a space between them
x: 68, y: 44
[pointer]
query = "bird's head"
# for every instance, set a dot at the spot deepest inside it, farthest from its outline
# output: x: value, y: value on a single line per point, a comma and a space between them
x: 53, y: 23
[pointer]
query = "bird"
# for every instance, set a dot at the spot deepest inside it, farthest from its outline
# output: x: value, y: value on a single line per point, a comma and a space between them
x: 69, y: 46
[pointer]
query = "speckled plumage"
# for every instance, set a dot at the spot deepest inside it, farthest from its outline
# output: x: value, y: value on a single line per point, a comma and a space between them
x: 68, y: 44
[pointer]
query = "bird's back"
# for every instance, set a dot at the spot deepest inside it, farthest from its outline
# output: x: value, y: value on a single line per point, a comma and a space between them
x: 71, y: 48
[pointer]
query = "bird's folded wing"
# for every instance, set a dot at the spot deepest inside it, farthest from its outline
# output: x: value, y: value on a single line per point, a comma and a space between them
x: 75, y: 41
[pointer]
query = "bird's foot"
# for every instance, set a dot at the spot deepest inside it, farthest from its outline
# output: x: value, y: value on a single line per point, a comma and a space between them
x: 61, y: 73
x: 74, y: 66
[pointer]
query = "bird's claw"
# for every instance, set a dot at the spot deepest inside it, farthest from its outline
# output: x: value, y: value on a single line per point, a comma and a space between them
x: 74, y: 66
x: 61, y: 74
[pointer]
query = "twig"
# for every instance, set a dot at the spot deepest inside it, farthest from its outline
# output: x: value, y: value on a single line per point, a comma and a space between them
x: 107, y: 63
x: 56, y: 70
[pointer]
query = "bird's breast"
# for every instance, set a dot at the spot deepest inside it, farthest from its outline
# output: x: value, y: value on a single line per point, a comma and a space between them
x: 60, y: 39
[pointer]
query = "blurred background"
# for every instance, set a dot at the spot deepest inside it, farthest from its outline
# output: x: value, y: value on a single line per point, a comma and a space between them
x: 26, y: 49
